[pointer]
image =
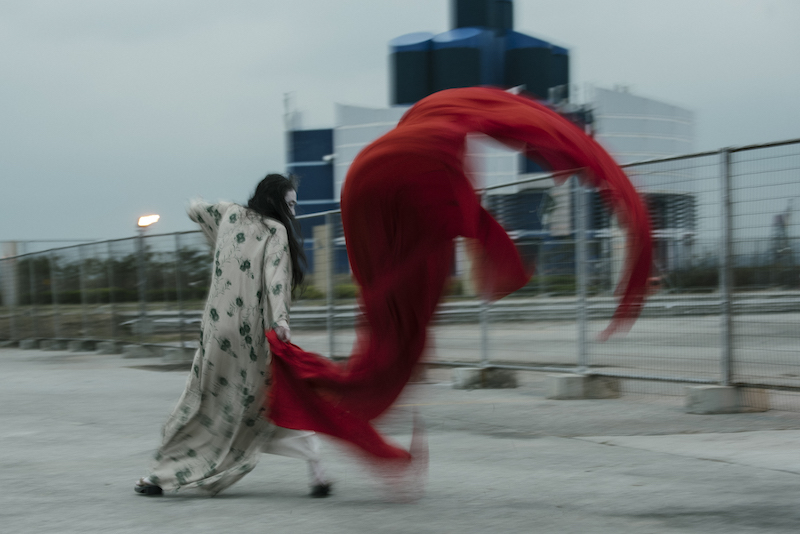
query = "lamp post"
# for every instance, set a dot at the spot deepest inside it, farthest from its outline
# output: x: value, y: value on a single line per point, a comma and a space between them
x: 142, y: 225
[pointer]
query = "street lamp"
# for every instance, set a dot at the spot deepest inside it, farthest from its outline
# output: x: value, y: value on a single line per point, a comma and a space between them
x: 147, y: 220
x: 144, y: 222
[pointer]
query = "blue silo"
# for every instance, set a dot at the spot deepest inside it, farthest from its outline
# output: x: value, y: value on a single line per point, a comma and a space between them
x: 464, y: 57
x: 481, y: 49
x: 497, y: 15
x: 528, y: 62
x: 410, y: 69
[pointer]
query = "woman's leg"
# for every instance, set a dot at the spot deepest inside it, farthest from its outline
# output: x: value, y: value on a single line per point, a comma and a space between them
x: 303, y: 445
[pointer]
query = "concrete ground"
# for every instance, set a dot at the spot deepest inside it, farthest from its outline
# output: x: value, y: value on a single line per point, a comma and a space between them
x: 77, y: 429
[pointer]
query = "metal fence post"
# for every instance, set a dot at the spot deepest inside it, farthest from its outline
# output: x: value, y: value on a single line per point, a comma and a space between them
x: 14, y: 299
x: 54, y: 296
x: 84, y: 296
x: 483, y: 314
x: 111, y: 297
x: 34, y: 310
x: 142, y: 282
x: 329, y: 297
x: 178, y: 290
x: 725, y: 278
x: 581, y: 273
x: 7, y: 277
x: 3, y: 290
x: 540, y: 268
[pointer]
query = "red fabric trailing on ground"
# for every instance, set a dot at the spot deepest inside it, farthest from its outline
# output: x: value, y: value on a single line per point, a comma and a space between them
x: 300, y: 404
x: 405, y: 199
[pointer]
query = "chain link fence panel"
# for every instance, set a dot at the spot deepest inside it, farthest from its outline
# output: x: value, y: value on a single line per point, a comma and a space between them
x: 725, y: 285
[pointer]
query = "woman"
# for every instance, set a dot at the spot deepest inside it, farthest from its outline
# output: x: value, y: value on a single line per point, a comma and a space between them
x: 214, y: 435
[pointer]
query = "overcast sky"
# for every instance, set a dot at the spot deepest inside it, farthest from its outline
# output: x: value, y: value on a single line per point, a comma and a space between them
x: 113, y: 109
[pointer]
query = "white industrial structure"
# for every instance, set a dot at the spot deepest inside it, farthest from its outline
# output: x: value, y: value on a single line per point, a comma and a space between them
x: 634, y: 128
x: 355, y: 128
x: 631, y: 127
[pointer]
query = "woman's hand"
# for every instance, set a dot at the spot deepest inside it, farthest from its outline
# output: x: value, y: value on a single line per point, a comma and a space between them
x: 283, y: 333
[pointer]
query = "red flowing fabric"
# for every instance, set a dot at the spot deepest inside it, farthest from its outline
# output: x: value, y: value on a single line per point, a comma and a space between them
x: 405, y: 199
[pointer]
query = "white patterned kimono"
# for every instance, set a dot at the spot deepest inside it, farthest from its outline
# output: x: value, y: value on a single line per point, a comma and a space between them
x: 214, y: 435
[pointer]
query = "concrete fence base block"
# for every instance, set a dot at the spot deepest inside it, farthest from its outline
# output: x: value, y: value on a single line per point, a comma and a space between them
x: 466, y: 377
x: 29, y: 344
x: 143, y: 327
x: 82, y: 345
x: 565, y: 386
x: 139, y: 351
x: 480, y: 378
x: 419, y: 375
x: 53, y: 344
x: 568, y: 386
x: 108, y: 347
x: 179, y: 354
x: 601, y: 387
x: 754, y: 399
x: 709, y: 399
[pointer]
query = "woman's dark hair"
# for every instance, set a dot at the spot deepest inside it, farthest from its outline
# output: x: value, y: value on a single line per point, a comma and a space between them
x: 269, y: 200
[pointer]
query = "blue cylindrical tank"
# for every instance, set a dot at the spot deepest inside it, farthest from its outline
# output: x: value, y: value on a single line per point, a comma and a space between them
x: 462, y: 58
x: 528, y: 62
x: 410, y: 71
x: 502, y: 15
x: 470, y: 13
x: 497, y: 15
x: 559, y: 72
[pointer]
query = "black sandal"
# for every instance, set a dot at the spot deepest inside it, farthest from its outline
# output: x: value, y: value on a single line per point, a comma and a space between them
x: 319, y: 490
x: 145, y: 488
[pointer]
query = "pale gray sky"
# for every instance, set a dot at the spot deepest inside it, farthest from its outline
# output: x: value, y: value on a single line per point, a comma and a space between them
x: 109, y: 110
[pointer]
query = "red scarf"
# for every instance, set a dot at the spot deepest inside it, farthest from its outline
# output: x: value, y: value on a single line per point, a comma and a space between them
x: 405, y: 199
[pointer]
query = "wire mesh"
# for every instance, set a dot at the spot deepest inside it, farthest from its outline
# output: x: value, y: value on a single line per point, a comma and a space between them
x: 192, y: 264
x: 765, y: 261
x: 536, y: 326
x: 7, y: 297
x: 325, y: 311
x: 123, y: 268
x: 678, y: 334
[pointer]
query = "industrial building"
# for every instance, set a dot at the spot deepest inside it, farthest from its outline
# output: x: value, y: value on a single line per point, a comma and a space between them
x: 482, y: 48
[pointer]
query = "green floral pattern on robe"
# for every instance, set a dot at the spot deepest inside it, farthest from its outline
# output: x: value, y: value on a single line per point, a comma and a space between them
x: 215, y: 433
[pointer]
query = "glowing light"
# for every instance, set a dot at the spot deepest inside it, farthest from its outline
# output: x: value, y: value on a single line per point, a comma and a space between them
x: 147, y: 220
